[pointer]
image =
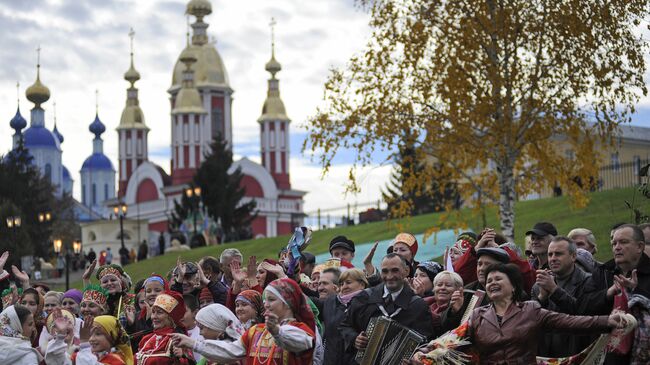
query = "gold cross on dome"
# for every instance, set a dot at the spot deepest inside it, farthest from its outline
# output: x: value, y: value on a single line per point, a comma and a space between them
x: 131, y: 35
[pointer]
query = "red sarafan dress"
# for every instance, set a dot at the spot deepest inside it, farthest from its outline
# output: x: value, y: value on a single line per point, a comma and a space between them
x: 157, y: 349
x: 261, y: 349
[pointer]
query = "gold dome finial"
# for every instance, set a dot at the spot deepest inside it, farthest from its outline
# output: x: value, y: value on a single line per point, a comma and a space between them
x: 132, y: 75
x: 199, y: 8
x: 38, y: 93
x: 273, y: 66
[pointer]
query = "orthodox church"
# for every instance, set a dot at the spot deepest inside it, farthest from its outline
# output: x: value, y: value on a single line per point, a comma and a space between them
x: 201, y: 108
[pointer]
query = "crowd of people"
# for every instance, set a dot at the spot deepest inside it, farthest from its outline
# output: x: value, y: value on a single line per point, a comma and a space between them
x: 487, y: 302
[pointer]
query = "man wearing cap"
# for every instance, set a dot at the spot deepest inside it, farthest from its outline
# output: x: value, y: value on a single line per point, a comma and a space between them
x: 487, y: 256
x: 561, y: 289
x: 342, y: 248
x: 392, y: 299
x: 540, y: 237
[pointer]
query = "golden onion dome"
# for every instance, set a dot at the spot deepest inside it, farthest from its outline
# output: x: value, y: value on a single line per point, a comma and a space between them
x: 273, y: 109
x: 188, y: 100
x: 188, y: 55
x: 273, y: 66
x: 199, y: 8
x: 132, y: 118
x: 132, y: 75
x: 38, y: 93
x: 209, y: 69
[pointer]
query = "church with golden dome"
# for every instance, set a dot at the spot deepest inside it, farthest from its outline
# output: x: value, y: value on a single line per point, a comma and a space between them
x: 201, y: 108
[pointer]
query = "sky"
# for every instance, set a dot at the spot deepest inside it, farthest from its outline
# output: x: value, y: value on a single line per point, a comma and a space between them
x: 85, y: 47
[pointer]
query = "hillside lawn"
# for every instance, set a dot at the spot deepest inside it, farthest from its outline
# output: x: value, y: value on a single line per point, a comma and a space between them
x: 604, y: 210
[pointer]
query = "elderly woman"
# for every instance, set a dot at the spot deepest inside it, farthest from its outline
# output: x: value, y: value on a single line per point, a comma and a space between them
x: 351, y: 283
x: 16, y: 328
x: 444, y: 285
x: 249, y: 308
x: 507, y: 331
x: 71, y: 301
x: 287, y: 336
x: 216, y: 323
x: 156, y: 348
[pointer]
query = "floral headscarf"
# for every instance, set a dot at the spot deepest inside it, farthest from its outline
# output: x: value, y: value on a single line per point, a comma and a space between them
x: 10, y: 325
x: 290, y: 294
x: 219, y: 318
x: 254, y: 299
x: 119, y: 338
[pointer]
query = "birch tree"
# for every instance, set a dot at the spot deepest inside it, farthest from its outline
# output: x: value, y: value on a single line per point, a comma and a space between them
x: 490, y: 89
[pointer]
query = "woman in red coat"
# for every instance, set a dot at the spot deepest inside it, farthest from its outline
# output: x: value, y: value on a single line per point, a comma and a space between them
x: 157, y: 348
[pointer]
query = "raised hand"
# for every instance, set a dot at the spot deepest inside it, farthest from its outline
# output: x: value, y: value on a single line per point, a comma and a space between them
x: 21, y: 276
x: 88, y: 273
x: 367, y: 261
x: 86, y: 327
x: 628, y: 283
x: 238, y: 274
x: 180, y: 270
x: 417, y: 286
x: 487, y: 239
x: 203, y: 280
x: 3, y: 260
x: 251, y: 269
x: 272, y: 323
x: 129, y: 311
x: 456, y: 301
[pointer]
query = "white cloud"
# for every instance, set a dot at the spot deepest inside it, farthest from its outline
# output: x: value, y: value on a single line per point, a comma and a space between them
x: 85, y: 47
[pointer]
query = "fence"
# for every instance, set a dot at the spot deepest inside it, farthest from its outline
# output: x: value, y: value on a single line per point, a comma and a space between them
x: 621, y: 175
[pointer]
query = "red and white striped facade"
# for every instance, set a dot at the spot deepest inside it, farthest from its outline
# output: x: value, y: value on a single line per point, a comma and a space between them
x: 150, y: 192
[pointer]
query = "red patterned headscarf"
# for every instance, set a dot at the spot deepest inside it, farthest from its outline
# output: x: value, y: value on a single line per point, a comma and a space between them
x: 291, y: 294
x: 172, y: 303
x: 254, y: 299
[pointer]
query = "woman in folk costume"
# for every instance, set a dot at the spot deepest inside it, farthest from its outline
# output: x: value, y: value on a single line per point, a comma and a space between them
x: 249, y: 308
x: 94, y: 302
x: 287, y: 337
x: 216, y: 323
x: 139, y: 324
x: 33, y: 300
x: 113, y: 278
x: 157, y: 348
x: 16, y: 328
x: 61, y: 338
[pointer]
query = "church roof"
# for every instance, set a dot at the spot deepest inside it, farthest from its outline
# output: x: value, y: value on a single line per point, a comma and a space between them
x: 97, y: 161
x: 66, y: 173
x: 209, y: 69
x: 36, y: 136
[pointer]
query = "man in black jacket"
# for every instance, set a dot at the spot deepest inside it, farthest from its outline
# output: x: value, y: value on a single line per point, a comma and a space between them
x: 561, y: 289
x: 392, y: 299
x: 629, y: 270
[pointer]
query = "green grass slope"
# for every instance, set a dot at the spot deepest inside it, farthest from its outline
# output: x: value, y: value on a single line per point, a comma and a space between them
x: 604, y: 210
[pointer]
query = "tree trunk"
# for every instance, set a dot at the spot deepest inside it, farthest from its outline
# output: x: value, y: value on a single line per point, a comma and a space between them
x: 507, y: 200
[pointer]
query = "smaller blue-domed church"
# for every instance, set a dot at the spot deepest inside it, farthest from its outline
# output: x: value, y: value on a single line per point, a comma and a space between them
x: 97, y: 172
x: 43, y: 145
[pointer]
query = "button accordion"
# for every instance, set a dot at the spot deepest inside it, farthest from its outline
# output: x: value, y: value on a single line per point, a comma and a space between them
x: 388, y: 343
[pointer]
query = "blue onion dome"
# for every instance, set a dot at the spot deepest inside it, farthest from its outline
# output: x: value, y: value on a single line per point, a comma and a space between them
x: 97, y: 127
x: 66, y: 173
x: 58, y: 135
x: 36, y: 136
x: 18, y: 122
x: 97, y: 161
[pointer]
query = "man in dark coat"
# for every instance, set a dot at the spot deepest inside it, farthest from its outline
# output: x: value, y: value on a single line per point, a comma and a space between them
x: 561, y: 290
x: 630, y: 269
x: 392, y: 299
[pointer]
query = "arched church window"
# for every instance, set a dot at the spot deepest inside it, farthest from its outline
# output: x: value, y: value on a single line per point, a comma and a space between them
x: 105, y: 191
x: 92, y: 236
x: 94, y: 194
x: 217, y: 122
x: 48, y: 172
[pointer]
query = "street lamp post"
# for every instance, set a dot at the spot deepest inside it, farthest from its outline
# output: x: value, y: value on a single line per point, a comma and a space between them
x: 120, y: 211
x: 58, y: 246
x: 194, y: 195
